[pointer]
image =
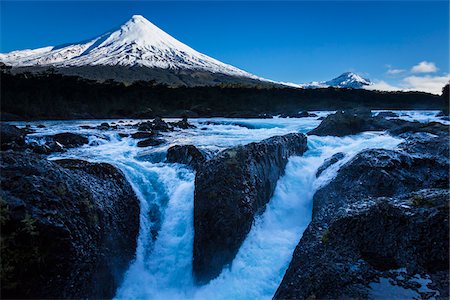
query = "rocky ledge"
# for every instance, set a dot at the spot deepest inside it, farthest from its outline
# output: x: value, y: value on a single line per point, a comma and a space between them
x: 230, y: 190
x: 355, y: 121
x: 380, y: 226
x: 72, y: 222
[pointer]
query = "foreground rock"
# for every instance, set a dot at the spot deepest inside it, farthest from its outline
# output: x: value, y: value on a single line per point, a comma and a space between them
x: 382, y: 220
x: 11, y: 137
x: 69, y: 227
x: 186, y: 154
x: 401, y: 240
x: 230, y: 190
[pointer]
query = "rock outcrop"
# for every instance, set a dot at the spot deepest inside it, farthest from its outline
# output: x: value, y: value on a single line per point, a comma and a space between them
x: 230, y: 190
x: 186, y: 154
x: 69, y: 227
x: 11, y: 136
x: 349, y: 122
x: 150, y: 142
x: 383, y: 218
x: 70, y: 140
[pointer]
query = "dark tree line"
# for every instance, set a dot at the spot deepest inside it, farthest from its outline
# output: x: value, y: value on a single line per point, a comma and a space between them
x: 53, y: 96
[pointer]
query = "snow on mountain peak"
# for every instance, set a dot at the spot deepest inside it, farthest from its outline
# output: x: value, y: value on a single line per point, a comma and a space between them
x: 348, y: 80
x: 138, y: 42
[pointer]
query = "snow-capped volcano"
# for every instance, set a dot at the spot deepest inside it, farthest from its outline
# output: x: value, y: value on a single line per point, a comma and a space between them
x: 345, y: 80
x: 138, y: 42
x: 349, y: 80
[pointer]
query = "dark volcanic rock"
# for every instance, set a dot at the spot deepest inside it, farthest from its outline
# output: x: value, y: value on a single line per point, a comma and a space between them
x: 156, y: 125
x: 412, y: 127
x: 47, y: 148
x: 387, y: 114
x: 371, y: 241
x: 330, y: 161
x: 303, y: 114
x: 356, y: 121
x: 230, y: 190
x: 142, y: 134
x: 69, y: 227
x: 150, y: 142
x: 183, y: 124
x: 186, y: 154
x: 348, y: 122
x: 104, y: 126
x: 160, y: 125
x: 70, y: 140
x: 374, y: 218
x: 11, y: 136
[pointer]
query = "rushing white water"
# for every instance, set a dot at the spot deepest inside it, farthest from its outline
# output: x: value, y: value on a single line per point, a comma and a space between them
x: 163, y: 265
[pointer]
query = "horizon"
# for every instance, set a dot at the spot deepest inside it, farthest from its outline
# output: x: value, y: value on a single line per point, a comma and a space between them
x: 394, y: 54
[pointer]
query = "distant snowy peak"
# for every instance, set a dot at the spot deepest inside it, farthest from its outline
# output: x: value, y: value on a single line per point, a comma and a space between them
x: 349, y: 80
x: 346, y: 80
x: 138, y: 42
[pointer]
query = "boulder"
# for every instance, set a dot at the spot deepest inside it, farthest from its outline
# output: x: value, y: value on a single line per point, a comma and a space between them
x: 382, y: 214
x: 231, y: 189
x: 159, y: 125
x: 183, y: 124
x: 150, y: 142
x: 47, y: 148
x: 11, y: 136
x: 347, y: 122
x: 70, y: 140
x: 303, y: 114
x: 186, y: 154
x: 104, y: 126
x: 69, y: 227
x: 142, y: 134
x: 387, y: 114
x: 329, y: 162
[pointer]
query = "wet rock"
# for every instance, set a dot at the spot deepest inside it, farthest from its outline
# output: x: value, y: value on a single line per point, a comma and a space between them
x: 86, y: 127
x: 344, y: 123
x: 183, y: 124
x: 186, y: 154
x: 303, y: 114
x: 330, y: 161
x: 143, y: 134
x: 41, y: 126
x: 387, y: 114
x: 69, y: 227
x: 413, y: 127
x: 160, y: 125
x: 348, y: 122
x: 70, y: 140
x: 382, y: 212
x: 11, y: 136
x: 150, y: 142
x: 230, y: 190
x: 398, y: 238
x: 156, y: 125
x: 104, y: 126
x: 123, y: 135
x: 47, y: 148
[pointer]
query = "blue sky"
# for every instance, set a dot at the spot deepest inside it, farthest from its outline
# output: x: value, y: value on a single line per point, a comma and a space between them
x: 286, y: 41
